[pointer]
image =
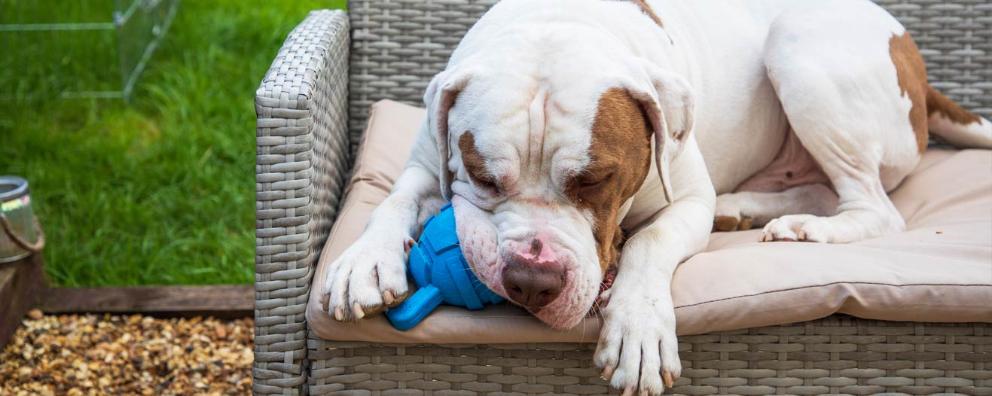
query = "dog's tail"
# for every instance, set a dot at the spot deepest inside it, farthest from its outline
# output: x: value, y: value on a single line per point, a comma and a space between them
x: 955, y: 125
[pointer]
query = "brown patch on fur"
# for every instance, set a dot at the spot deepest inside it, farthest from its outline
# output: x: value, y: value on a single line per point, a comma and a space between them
x: 647, y: 10
x: 912, y: 75
x: 474, y: 163
x: 620, y: 157
x: 729, y: 223
x: 938, y: 103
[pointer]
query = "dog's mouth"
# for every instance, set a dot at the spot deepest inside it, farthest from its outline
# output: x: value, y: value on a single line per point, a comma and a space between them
x: 603, y: 298
x: 608, y: 277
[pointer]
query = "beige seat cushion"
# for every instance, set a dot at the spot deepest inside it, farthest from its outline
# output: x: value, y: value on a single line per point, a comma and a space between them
x: 938, y: 270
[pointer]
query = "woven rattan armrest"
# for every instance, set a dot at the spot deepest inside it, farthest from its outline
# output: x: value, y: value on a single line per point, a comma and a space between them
x: 302, y: 160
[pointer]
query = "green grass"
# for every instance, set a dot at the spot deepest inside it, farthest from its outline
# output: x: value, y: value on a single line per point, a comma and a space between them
x: 160, y: 191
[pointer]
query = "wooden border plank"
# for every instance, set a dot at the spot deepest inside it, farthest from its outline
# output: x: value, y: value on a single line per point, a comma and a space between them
x: 20, y: 282
x: 221, y: 301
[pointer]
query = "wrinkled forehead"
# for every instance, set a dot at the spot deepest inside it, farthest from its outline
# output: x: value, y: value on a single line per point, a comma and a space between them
x: 517, y: 121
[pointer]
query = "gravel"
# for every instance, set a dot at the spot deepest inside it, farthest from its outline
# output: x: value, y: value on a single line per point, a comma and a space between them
x: 113, y: 354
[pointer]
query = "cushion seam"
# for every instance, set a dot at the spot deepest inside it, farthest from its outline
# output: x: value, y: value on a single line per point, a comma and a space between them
x: 831, y: 284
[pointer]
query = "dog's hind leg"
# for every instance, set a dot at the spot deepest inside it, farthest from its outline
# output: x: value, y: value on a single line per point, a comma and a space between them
x: 792, y: 184
x: 742, y: 210
x: 851, y: 104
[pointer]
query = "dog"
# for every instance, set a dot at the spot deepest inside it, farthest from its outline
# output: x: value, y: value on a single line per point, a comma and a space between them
x: 579, y: 137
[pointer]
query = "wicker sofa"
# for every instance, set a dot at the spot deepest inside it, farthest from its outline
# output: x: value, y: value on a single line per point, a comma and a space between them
x: 312, y: 107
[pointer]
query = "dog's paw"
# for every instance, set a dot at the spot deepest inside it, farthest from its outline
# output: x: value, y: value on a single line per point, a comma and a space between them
x: 369, y: 277
x: 732, y: 223
x: 803, y: 228
x: 638, y: 349
x: 728, y: 217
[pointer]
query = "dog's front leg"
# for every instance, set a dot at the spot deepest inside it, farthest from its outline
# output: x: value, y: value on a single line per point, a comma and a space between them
x: 371, y: 274
x: 637, y: 347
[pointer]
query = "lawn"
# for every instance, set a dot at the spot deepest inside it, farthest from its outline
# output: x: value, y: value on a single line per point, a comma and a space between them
x: 158, y: 191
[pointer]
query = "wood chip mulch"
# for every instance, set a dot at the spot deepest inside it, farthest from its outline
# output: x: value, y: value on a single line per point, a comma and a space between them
x: 117, y: 355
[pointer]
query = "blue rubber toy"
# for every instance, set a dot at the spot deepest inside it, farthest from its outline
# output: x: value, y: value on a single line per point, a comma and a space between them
x: 443, y: 276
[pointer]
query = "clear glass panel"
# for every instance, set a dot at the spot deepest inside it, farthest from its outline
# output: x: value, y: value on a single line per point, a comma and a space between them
x: 141, y: 26
x: 84, y: 48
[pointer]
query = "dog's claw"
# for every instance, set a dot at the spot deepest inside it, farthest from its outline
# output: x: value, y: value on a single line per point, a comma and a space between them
x: 647, y: 371
x: 369, y: 277
x: 607, y: 373
x: 667, y: 376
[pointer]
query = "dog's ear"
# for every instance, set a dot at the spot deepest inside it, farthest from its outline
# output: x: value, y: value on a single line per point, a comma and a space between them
x: 439, y: 98
x: 668, y: 102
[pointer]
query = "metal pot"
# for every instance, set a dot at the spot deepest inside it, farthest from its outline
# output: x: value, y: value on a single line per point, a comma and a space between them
x: 20, y: 233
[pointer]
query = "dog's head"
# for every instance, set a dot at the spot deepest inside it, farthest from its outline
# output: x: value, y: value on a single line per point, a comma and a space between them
x: 542, y: 169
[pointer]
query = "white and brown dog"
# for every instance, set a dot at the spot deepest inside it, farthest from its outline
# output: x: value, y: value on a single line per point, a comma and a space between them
x: 576, y: 135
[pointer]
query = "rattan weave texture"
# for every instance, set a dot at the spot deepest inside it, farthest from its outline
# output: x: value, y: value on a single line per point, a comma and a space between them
x: 302, y: 159
x: 398, y: 46
x: 834, y: 355
x: 311, y: 111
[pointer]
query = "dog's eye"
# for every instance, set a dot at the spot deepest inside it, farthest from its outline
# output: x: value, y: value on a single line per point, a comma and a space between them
x: 481, y: 178
x: 589, y: 181
x: 486, y: 184
x: 484, y: 181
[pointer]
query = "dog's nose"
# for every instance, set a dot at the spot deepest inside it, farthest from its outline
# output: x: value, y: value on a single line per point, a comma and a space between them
x: 532, y: 284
